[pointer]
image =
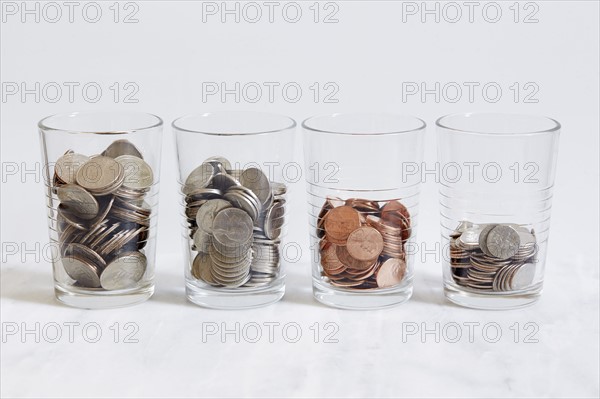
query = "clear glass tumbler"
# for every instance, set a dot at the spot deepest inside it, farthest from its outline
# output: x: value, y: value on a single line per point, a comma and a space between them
x: 232, y: 168
x: 101, y: 176
x: 363, y: 206
x: 496, y: 179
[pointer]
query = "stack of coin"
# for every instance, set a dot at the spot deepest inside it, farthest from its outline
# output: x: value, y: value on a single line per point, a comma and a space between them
x: 362, y: 242
x: 493, y: 257
x: 235, y: 218
x: 102, y: 219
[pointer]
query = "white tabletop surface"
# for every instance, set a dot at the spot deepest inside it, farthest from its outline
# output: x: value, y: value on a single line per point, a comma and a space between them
x: 374, y: 353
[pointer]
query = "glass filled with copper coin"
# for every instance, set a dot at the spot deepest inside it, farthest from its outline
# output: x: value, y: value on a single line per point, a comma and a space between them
x: 101, y: 172
x: 363, y: 206
x: 234, y: 206
x: 496, y: 198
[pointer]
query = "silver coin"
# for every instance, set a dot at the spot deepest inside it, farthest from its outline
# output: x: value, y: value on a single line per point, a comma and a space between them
x: 523, y: 277
x: 220, y: 163
x: 483, y: 238
x: 207, y: 213
x: 138, y: 174
x: 124, y: 272
x: 232, y: 227
x: 67, y: 166
x: 255, y: 180
x: 503, y: 242
x: 121, y: 147
x: 85, y: 273
x: 199, y: 178
x: 83, y: 252
x: 223, y: 181
x: 63, y: 217
x: 279, y: 189
x: 77, y: 200
x: 100, y: 173
x: 274, y: 221
x: 470, y: 237
x: 240, y: 200
x: 201, y: 268
x: 202, y: 240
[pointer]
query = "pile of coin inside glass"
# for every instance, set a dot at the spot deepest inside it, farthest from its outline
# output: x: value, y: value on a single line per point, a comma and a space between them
x: 102, y: 219
x: 362, y: 242
x: 493, y: 257
x: 235, y: 219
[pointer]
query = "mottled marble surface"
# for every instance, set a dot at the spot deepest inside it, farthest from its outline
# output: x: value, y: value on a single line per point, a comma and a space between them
x: 358, y: 354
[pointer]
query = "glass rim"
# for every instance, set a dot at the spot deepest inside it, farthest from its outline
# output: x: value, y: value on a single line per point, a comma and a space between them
x: 43, y: 123
x: 422, y: 124
x: 292, y: 123
x: 555, y: 128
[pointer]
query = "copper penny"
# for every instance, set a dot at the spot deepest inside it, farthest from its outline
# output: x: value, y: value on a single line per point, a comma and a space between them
x: 340, y: 222
x: 393, y: 208
x: 329, y: 259
x: 365, y: 243
x: 350, y: 262
x: 363, y: 205
x: 391, y: 273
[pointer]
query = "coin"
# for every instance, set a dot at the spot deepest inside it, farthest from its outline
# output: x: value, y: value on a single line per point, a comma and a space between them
x: 365, y: 244
x: 78, y: 201
x: 138, y: 174
x: 99, y: 174
x: 503, y: 242
x: 208, y: 211
x: 232, y: 227
x: 391, y: 273
x: 340, y: 222
x: 121, y: 147
x: 67, y: 166
x: 85, y: 273
x: 199, y: 178
x: 124, y: 272
x: 483, y: 238
x: 255, y: 180
x: 274, y: 220
x: 392, y: 210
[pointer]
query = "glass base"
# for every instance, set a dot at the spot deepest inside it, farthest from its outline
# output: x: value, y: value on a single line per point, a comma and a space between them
x: 100, y: 299
x: 234, y: 298
x: 492, y: 300
x: 343, y: 298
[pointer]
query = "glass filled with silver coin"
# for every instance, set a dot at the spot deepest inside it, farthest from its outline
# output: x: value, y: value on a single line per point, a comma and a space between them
x: 363, y: 207
x: 496, y: 198
x: 101, y: 180
x: 234, y: 206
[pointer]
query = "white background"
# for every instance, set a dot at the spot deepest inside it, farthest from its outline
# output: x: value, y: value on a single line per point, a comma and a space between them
x: 368, y: 54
